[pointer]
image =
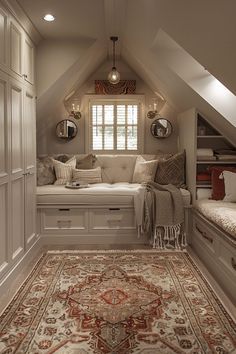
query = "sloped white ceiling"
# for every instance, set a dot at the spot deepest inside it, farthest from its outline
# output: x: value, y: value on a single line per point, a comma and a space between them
x: 205, y: 29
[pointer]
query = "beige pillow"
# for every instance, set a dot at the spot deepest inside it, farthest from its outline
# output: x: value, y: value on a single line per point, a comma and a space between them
x: 144, y: 171
x: 64, y: 170
x: 88, y: 176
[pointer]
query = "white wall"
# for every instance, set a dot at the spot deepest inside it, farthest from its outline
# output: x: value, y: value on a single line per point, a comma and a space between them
x: 54, y: 57
x: 49, y: 143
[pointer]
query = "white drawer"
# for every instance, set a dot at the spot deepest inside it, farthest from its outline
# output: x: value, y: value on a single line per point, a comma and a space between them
x: 205, y: 235
x: 64, y: 219
x: 112, y: 219
x: 227, y: 256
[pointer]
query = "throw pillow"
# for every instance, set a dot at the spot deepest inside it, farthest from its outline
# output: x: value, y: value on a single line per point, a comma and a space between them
x: 218, y: 186
x: 230, y: 186
x: 64, y: 170
x: 86, y: 162
x: 45, y: 171
x: 172, y: 170
x: 88, y: 176
x: 144, y: 171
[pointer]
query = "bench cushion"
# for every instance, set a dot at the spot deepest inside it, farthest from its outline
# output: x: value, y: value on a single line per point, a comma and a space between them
x: 97, y: 194
x: 221, y: 213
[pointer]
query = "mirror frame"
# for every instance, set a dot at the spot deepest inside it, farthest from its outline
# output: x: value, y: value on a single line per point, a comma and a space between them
x: 161, y: 136
x: 64, y: 137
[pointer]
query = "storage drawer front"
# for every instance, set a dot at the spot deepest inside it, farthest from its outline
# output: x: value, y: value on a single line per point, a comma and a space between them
x: 227, y: 256
x: 112, y: 219
x: 205, y: 235
x: 64, y: 219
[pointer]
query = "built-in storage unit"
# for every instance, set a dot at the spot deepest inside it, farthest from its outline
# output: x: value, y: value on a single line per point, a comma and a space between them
x: 217, y: 251
x: 213, y: 245
x: 195, y: 132
x: 88, y: 224
x: 17, y: 142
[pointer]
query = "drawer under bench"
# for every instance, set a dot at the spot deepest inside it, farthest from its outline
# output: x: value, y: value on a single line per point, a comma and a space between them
x: 217, y: 250
x: 76, y: 221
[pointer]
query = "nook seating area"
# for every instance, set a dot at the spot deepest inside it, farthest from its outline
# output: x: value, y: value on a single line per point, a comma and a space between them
x: 104, y: 209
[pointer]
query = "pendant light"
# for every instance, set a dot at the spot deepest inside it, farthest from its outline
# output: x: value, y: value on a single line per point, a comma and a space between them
x: 114, y: 75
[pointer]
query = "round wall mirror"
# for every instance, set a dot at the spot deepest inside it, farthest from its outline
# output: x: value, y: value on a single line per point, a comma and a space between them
x: 161, y: 128
x: 66, y: 129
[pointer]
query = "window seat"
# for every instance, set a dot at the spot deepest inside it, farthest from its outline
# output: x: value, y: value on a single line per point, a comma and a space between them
x: 96, y: 194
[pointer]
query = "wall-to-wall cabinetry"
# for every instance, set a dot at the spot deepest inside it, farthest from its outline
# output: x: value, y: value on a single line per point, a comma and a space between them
x: 17, y: 142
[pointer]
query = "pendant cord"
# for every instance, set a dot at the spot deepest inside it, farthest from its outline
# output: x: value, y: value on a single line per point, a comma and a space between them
x: 113, y: 53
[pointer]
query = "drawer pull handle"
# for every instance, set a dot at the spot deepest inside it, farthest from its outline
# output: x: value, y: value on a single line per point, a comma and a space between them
x: 233, y: 263
x: 114, y: 208
x: 64, y: 209
x: 204, y: 235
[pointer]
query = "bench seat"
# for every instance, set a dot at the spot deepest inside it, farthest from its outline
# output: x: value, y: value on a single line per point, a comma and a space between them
x: 221, y: 213
x: 96, y: 194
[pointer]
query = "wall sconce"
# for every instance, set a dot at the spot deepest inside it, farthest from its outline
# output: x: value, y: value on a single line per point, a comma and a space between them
x: 152, y: 113
x: 75, y: 111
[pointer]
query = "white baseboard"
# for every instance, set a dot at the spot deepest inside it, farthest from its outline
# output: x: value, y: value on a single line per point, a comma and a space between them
x: 92, y: 239
x: 14, y: 278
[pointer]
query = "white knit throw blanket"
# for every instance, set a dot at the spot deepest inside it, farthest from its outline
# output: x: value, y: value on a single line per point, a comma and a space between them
x: 162, y: 213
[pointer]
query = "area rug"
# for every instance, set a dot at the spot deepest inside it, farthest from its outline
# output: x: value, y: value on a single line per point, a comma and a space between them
x: 116, y: 302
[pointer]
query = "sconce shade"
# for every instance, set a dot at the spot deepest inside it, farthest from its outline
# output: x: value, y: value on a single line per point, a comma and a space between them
x: 114, y: 75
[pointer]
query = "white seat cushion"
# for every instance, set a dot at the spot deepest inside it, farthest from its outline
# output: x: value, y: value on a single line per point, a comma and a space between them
x: 220, y: 212
x: 97, y: 194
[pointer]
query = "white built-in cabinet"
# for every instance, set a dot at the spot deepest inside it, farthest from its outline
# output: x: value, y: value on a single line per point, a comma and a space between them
x: 17, y: 143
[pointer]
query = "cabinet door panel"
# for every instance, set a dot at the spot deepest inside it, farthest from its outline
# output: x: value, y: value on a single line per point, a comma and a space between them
x: 29, y: 131
x: 3, y: 127
x: 17, y: 217
x: 3, y: 38
x: 30, y: 209
x: 28, y: 60
x: 4, y: 227
x: 15, y: 48
x: 16, y: 129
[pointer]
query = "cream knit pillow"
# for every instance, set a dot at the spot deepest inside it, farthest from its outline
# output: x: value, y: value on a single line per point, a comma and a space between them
x: 64, y: 170
x: 88, y: 176
x: 144, y: 171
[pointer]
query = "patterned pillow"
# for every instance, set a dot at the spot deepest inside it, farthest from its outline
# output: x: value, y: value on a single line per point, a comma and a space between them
x: 86, y: 162
x: 144, y: 171
x: 45, y: 171
x: 64, y: 170
x: 172, y: 170
x: 88, y: 176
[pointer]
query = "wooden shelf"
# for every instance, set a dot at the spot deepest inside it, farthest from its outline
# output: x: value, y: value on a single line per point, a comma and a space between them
x: 216, y: 162
x: 203, y: 185
x: 210, y: 136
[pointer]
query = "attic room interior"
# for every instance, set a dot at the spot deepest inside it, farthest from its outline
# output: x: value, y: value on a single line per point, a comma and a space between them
x: 117, y: 176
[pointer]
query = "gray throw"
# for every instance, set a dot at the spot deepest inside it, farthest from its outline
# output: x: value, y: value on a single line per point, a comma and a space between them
x: 165, y: 213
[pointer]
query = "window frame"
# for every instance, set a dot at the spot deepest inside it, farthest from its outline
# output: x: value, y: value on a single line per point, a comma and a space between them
x: 114, y: 99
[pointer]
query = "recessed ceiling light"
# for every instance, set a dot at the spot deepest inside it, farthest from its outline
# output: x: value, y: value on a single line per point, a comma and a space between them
x: 49, y: 18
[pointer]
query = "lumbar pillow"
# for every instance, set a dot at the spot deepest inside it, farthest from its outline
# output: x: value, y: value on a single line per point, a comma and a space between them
x: 88, y: 176
x: 64, y: 170
x: 230, y: 186
x: 144, y: 171
x: 172, y: 170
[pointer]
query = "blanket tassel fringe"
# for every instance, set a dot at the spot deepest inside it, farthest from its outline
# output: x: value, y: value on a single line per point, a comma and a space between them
x: 169, y: 236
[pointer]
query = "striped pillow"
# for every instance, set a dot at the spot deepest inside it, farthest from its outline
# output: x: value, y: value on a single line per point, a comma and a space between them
x: 88, y: 176
x: 64, y: 170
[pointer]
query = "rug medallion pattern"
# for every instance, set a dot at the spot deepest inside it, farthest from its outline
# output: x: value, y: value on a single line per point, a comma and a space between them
x: 117, y: 303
